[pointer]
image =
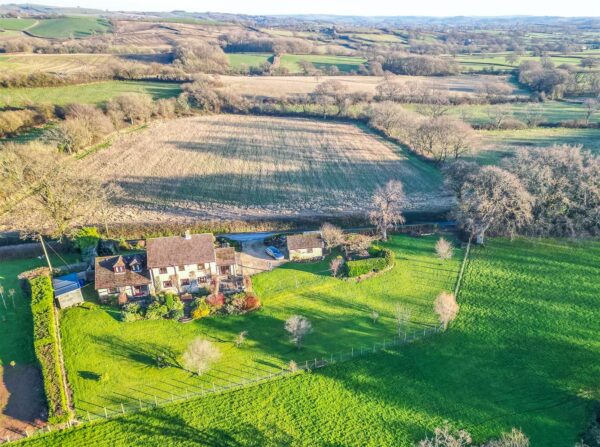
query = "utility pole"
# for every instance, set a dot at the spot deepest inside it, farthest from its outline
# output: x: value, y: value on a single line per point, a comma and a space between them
x: 45, y: 252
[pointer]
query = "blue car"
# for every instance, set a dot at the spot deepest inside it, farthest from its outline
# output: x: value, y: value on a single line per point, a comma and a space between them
x: 274, y: 253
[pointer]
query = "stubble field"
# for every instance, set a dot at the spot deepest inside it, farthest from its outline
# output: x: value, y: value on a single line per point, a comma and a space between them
x: 231, y: 166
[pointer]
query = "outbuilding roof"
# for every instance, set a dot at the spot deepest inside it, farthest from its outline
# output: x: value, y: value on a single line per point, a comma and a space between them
x: 304, y: 241
x: 65, y: 284
x: 106, y: 278
x: 180, y: 250
x: 225, y: 256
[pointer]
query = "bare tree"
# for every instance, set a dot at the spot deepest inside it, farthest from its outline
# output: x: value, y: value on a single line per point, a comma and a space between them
x: 357, y: 243
x: 240, y: 339
x: 332, y: 235
x: 516, y: 438
x: 332, y: 92
x: 200, y: 355
x: 591, y: 105
x: 493, y: 199
x: 374, y: 316
x: 298, y: 327
x: 292, y: 366
x: 335, y: 266
x: 386, y: 205
x: 445, y: 437
x: 446, y: 307
x: 444, y: 249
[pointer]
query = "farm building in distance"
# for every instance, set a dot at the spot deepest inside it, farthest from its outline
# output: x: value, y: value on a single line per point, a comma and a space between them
x: 67, y: 290
x: 305, y: 246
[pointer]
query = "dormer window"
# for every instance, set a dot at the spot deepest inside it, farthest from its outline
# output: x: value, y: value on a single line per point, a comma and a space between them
x: 136, y: 268
x: 119, y: 269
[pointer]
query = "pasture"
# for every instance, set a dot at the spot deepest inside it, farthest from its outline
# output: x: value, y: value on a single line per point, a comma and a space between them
x: 344, y: 64
x: 238, y: 60
x: 230, y: 166
x: 55, y: 63
x: 93, y: 93
x: 16, y: 24
x: 523, y: 353
x: 70, y: 27
x: 97, y: 344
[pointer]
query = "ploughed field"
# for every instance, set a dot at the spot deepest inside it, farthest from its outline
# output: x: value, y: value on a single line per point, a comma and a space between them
x: 244, y: 166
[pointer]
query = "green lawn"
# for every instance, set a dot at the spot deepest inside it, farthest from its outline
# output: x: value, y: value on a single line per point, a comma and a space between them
x: 343, y: 63
x: 14, y: 24
x: 96, y: 343
x: 94, y: 93
x: 523, y: 353
x: 236, y: 60
x: 70, y: 27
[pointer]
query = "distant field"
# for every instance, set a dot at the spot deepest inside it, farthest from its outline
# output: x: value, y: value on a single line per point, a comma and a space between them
x: 378, y: 37
x: 236, y: 60
x: 278, y: 86
x: 94, y: 93
x: 245, y: 166
x: 14, y: 24
x: 70, y: 27
x: 497, y: 61
x: 523, y: 353
x: 56, y: 63
x: 343, y: 63
x: 498, y: 144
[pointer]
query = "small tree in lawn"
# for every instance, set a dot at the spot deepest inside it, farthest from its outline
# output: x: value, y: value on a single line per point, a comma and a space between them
x: 332, y: 236
x: 446, y: 307
x: 11, y: 294
x: 240, y: 339
x: 386, y: 204
x: 516, y: 438
x: 374, y: 316
x: 335, y: 266
x: 445, y: 437
x: 2, y: 295
x: 298, y: 327
x: 200, y: 355
x: 444, y: 249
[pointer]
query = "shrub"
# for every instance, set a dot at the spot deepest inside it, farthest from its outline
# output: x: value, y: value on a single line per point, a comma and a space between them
x: 46, y: 348
x: 216, y: 300
x: 156, y: 311
x: 381, y: 258
x: 131, y: 312
x: 252, y: 302
x: 201, y: 309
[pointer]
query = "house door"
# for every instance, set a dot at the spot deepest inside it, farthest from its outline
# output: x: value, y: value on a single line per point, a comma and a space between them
x: 224, y: 270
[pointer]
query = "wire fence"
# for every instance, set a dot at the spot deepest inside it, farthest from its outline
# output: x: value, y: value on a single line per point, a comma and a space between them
x: 186, y: 393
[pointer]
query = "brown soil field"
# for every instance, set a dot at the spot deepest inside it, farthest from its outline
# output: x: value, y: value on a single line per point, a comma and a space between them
x: 245, y: 167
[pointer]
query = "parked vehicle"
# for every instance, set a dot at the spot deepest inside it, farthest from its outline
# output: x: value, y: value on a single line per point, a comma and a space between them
x: 274, y: 253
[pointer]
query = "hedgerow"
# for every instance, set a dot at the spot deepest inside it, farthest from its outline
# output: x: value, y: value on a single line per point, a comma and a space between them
x: 46, y: 348
x: 381, y: 258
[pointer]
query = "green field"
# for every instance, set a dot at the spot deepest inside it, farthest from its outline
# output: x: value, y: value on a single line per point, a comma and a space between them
x: 70, y: 27
x: 497, y: 144
x: 14, y: 24
x: 96, y: 343
x: 94, y: 93
x: 523, y: 353
x: 55, y: 63
x: 343, y: 63
x: 237, y: 60
x: 497, y: 61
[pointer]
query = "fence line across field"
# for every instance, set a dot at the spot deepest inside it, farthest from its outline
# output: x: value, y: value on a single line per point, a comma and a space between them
x: 190, y: 392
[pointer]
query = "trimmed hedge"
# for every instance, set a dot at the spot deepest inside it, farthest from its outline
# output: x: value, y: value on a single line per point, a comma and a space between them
x: 46, y: 348
x: 381, y: 258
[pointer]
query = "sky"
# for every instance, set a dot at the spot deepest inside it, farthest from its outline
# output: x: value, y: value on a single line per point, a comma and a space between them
x: 441, y: 8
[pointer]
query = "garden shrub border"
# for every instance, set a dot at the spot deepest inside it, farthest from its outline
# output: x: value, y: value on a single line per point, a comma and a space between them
x: 381, y: 259
x: 46, y: 347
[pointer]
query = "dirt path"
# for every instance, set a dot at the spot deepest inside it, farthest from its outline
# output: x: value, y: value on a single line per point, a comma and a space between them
x: 21, y: 401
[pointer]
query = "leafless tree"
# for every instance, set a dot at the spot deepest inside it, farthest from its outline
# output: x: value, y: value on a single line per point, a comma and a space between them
x: 240, y: 339
x: 516, y: 438
x: 493, y: 200
x: 332, y: 235
x: 332, y: 92
x: 292, y: 366
x: 386, y: 204
x: 335, y: 266
x: 298, y: 327
x: 446, y: 437
x: 374, y: 316
x: 200, y: 355
x: 591, y: 105
x: 446, y: 307
x: 444, y: 249
x: 357, y: 243
x: 443, y: 137
x: 133, y: 107
x: 457, y: 173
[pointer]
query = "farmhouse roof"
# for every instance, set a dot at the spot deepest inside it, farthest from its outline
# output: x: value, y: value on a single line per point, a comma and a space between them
x: 304, y: 241
x: 180, y: 250
x: 225, y: 256
x: 106, y: 278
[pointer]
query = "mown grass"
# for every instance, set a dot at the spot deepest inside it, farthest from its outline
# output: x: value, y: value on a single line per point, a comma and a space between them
x: 97, y: 344
x: 237, y: 60
x: 70, y: 27
x: 523, y: 353
x: 94, y: 93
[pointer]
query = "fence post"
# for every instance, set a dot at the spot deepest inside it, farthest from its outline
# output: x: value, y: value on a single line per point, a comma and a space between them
x: 315, y: 363
x: 352, y: 351
x: 214, y: 388
x: 105, y: 415
x: 122, y: 408
x: 307, y: 365
x: 140, y: 403
x: 155, y: 400
x: 88, y: 415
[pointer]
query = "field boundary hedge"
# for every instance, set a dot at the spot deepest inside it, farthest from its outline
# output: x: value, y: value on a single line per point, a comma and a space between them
x: 46, y: 345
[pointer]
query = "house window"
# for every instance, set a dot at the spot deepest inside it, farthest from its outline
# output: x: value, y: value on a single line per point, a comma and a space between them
x: 181, y: 268
x: 167, y: 284
x: 136, y: 268
x: 162, y: 270
x: 309, y: 250
x: 113, y: 290
x: 119, y: 269
x: 185, y: 282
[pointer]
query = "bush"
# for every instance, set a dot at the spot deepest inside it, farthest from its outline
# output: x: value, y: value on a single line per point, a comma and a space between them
x: 156, y: 311
x: 381, y: 258
x: 46, y: 348
x: 201, y: 309
x: 216, y: 300
x: 131, y: 312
